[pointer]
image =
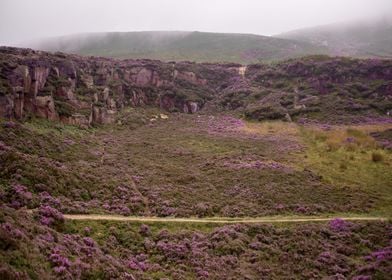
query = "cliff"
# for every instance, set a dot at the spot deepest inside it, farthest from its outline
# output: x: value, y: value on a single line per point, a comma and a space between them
x: 86, y: 90
x: 91, y: 90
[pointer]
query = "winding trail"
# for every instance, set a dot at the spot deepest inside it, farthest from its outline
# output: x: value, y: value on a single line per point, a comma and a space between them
x: 220, y: 220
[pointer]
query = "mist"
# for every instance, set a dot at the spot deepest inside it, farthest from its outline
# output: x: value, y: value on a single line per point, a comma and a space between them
x: 23, y: 21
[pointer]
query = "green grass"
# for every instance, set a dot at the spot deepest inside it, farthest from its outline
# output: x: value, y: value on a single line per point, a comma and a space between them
x: 352, y: 165
x: 189, y: 46
x: 184, y: 168
x: 181, y: 165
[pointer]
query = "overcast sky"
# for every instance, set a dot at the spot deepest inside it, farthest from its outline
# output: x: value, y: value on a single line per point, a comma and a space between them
x: 26, y: 20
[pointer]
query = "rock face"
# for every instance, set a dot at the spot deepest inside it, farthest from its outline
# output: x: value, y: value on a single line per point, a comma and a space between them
x: 91, y: 90
x: 84, y: 91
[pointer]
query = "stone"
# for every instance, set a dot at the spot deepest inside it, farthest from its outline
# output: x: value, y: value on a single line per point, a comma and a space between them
x: 101, y: 115
x: 87, y: 80
x: 77, y: 120
x: 66, y: 93
x: 97, y: 88
x: 144, y: 77
x: 44, y: 107
x: 40, y: 74
x: 7, y: 107
x: 193, y: 107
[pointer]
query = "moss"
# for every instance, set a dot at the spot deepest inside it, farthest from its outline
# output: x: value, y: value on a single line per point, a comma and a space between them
x: 85, y: 94
x: 58, y: 82
x: 63, y: 108
x: 265, y: 113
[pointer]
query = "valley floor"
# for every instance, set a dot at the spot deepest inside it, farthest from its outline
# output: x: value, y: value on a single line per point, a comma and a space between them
x: 188, y: 165
x: 173, y: 180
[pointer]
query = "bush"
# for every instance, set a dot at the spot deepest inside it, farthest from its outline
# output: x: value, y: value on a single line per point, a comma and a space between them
x: 268, y: 112
x: 343, y: 166
x: 19, y: 196
x: 377, y: 157
x: 49, y: 216
x: 64, y: 108
x: 339, y: 224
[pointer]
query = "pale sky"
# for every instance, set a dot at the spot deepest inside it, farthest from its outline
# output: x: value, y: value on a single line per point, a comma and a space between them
x: 26, y: 20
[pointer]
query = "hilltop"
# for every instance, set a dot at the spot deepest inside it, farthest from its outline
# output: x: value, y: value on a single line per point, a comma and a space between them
x: 180, y: 45
x: 365, y: 39
x: 355, y: 39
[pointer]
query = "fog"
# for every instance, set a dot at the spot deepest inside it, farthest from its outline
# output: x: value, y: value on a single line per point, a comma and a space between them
x: 22, y: 21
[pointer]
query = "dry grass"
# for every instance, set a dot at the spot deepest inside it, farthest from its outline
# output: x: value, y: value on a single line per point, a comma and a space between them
x: 348, y: 156
x: 271, y: 127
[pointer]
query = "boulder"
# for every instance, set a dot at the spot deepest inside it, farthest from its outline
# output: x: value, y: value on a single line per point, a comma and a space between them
x: 44, y: 107
x: 102, y: 115
x: 144, y: 77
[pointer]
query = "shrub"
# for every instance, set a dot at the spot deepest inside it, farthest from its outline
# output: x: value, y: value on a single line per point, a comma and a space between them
x: 19, y: 196
x: 50, y: 216
x: 144, y: 230
x: 64, y: 108
x: 9, y: 236
x: 343, y: 166
x: 338, y: 224
x: 377, y: 157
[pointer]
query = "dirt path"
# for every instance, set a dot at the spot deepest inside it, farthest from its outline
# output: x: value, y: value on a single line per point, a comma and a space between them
x: 222, y: 220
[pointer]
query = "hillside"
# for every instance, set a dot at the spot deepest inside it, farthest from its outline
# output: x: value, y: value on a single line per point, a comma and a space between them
x: 85, y: 91
x: 112, y: 169
x: 177, y: 46
x: 367, y: 39
x: 357, y: 39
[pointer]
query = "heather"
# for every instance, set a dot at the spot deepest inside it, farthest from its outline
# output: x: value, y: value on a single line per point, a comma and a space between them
x: 120, y: 250
x: 384, y: 138
x: 88, y: 91
x: 206, y: 166
x: 154, y: 163
x: 228, y: 154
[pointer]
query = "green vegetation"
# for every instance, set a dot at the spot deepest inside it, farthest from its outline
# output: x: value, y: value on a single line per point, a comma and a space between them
x: 180, y: 46
x: 350, y: 158
x: 189, y: 165
x: 154, y: 163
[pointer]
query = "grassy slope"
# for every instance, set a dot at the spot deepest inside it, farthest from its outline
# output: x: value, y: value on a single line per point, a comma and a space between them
x: 180, y: 163
x: 205, y: 166
x: 357, y: 164
x: 193, y: 46
x: 190, y: 251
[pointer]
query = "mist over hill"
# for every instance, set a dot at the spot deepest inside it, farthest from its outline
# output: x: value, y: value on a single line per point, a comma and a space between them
x: 181, y: 45
x: 362, y: 39
x: 358, y: 39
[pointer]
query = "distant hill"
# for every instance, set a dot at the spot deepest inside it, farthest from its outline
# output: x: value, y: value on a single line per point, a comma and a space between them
x: 179, y: 45
x: 358, y: 39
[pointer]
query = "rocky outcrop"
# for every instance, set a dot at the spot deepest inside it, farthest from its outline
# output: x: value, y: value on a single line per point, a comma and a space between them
x: 85, y: 91
x: 44, y: 107
x: 190, y: 77
x: 91, y: 90
x: 191, y: 107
